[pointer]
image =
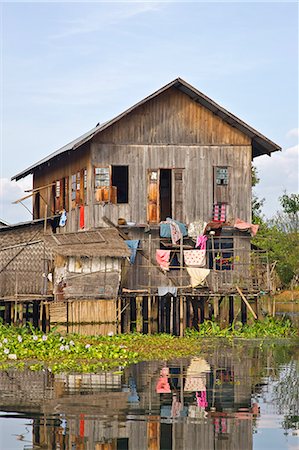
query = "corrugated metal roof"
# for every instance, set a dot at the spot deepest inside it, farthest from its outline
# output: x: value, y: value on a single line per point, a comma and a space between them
x: 261, y: 144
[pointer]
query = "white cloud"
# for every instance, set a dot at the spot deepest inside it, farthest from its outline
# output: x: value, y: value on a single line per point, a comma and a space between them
x: 293, y: 133
x: 105, y: 17
x: 11, y: 191
x: 278, y: 173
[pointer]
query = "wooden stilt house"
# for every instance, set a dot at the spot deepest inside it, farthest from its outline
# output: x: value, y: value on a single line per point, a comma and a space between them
x: 176, y: 154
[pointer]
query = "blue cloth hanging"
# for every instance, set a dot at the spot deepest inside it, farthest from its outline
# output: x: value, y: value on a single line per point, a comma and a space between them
x: 133, y: 245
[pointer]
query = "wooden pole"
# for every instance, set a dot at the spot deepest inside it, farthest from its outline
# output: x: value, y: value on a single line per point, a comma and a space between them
x: 21, y: 313
x: 139, y: 321
x: 246, y: 302
x: 181, y: 316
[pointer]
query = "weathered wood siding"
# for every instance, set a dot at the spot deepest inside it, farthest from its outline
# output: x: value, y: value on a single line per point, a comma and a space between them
x: 169, y: 132
x: 65, y: 166
x: 198, y: 163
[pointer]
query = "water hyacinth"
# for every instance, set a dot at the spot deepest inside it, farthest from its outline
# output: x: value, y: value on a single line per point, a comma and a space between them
x: 28, y: 347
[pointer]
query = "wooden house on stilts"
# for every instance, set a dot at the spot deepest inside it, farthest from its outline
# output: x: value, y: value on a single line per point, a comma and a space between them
x: 171, y: 176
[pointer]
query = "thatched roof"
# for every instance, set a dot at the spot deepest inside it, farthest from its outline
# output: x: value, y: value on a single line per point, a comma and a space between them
x: 101, y: 242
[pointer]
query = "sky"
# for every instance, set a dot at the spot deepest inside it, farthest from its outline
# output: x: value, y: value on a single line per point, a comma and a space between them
x: 67, y: 66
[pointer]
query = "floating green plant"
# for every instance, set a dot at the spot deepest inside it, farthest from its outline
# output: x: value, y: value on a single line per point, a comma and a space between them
x: 26, y: 347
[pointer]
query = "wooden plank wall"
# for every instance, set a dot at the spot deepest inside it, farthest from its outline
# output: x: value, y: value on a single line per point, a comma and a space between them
x: 171, y: 132
x: 198, y: 163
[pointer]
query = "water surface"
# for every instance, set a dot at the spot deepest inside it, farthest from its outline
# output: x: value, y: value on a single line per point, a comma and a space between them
x: 241, y: 397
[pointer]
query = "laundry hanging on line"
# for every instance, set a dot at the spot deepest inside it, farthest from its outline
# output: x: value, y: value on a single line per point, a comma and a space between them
x: 219, y: 214
x: 163, y: 290
x: 133, y: 246
x: 197, y: 275
x: 163, y: 258
x: 195, y: 258
x: 201, y: 242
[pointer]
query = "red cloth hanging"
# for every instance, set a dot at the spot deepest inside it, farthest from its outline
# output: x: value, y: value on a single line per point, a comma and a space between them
x: 81, y: 216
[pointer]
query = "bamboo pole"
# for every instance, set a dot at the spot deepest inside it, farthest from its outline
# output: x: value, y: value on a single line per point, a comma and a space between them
x: 246, y: 302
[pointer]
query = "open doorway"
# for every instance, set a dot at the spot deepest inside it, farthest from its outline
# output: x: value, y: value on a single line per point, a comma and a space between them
x: 165, y: 194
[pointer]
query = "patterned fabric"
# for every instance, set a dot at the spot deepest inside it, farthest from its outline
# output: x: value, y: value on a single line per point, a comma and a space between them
x: 195, y: 258
x: 201, y: 242
x: 196, y: 228
x: 175, y: 231
x: 219, y: 212
x: 162, y: 258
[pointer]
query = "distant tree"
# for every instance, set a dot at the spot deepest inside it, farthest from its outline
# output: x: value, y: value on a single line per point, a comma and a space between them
x: 256, y: 203
x: 280, y: 237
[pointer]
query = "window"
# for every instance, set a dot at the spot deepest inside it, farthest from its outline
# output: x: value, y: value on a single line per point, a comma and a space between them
x: 120, y: 180
x: 73, y: 190
x: 221, y: 184
x: 221, y: 175
x: 223, y: 254
x: 85, y: 184
x: 104, y: 191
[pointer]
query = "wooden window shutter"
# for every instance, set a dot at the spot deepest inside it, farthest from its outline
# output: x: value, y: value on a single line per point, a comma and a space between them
x: 66, y: 194
x: 82, y: 199
x: 78, y: 185
x: 153, y: 196
x: 222, y: 177
x: 178, y: 194
x: 102, y: 184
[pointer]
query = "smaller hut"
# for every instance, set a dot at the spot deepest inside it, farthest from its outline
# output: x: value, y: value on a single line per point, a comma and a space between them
x: 86, y: 276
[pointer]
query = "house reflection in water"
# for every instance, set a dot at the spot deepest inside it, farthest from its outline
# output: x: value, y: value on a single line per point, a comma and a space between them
x: 199, y: 403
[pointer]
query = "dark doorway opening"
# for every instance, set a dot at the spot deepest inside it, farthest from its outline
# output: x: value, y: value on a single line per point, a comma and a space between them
x: 120, y: 179
x: 165, y: 194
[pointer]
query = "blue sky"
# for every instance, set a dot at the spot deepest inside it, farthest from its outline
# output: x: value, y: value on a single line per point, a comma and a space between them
x: 67, y: 66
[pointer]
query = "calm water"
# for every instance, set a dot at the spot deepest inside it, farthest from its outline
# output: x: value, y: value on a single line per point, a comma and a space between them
x: 242, y: 397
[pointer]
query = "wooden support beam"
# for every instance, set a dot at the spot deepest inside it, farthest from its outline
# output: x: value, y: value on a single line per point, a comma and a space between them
x: 181, y: 309
x: 149, y: 313
x: 246, y: 302
x: 216, y: 307
x: 139, y: 318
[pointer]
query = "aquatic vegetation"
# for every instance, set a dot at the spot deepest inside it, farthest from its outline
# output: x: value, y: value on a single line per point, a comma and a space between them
x: 269, y: 327
x: 22, y: 347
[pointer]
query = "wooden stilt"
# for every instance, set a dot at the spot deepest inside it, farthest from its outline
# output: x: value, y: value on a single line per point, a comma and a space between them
x: 21, y: 314
x: 15, y: 313
x: 206, y: 308
x: 181, y: 309
x: 149, y: 313
x: 139, y: 318
x: 12, y: 313
x: 41, y: 310
x: 216, y: 307
x: 231, y: 310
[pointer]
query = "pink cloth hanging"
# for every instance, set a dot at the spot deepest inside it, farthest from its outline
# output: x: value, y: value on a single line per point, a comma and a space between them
x: 246, y: 226
x: 201, y: 399
x: 162, y: 258
x: 219, y: 212
x: 201, y: 242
